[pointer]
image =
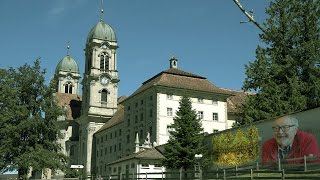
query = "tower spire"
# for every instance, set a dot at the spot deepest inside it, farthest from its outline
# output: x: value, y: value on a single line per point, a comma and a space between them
x: 68, y: 48
x: 101, y: 11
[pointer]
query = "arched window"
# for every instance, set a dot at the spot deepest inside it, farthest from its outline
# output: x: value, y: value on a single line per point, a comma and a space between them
x: 68, y: 88
x: 104, y: 62
x: 104, y: 95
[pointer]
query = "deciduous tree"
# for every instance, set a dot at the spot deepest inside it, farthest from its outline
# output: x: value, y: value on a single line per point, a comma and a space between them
x: 28, y: 115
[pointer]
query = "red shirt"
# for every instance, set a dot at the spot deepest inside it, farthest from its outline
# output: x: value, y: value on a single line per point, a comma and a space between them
x: 304, y: 144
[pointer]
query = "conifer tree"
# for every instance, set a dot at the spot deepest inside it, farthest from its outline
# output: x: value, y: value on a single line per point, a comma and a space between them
x: 285, y: 74
x: 28, y: 115
x: 185, y: 139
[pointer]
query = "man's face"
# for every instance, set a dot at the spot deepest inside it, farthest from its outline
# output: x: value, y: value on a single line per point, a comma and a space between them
x: 284, y: 131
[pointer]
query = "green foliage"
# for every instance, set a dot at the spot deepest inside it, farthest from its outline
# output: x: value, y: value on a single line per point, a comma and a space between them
x: 232, y: 150
x: 28, y: 114
x: 285, y: 74
x: 185, y: 138
x: 75, y: 173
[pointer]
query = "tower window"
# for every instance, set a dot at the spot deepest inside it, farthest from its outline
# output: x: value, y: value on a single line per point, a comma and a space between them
x: 104, y: 95
x: 68, y: 88
x: 104, y: 62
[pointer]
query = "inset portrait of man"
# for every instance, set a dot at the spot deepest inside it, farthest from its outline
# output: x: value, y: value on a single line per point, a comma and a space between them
x: 288, y: 142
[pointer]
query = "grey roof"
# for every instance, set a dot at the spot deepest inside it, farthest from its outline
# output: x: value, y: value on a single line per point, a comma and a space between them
x: 152, y: 154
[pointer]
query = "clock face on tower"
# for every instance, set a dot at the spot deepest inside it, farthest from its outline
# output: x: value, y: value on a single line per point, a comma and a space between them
x: 104, y: 80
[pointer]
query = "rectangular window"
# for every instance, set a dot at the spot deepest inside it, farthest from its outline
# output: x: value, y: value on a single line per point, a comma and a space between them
x: 135, y: 118
x: 141, y: 117
x: 128, y: 122
x: 150, y: 113
x: 215, y: 116
x: 200, y: 114
x: 105, y: 151
x: 169, y: 96
x: 169, y: 111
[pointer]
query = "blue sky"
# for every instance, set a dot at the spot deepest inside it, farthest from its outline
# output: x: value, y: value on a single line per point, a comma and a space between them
x: 205, y: 36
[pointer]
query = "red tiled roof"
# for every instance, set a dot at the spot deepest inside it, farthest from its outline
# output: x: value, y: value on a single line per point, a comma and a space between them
x: 179, y: 79
x: 236, y: 100
x: 71, y: 103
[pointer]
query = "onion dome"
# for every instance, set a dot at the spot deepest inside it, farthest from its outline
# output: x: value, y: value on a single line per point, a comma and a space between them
x: 68, y: 64
x: 101, y: 31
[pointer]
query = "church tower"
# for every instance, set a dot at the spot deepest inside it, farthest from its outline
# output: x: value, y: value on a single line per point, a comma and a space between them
x: 100, y: 88
x: 67, y: 75
x: 100, y: 83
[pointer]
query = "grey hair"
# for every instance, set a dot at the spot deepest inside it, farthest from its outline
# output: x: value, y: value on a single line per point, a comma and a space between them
x: 293, y: 120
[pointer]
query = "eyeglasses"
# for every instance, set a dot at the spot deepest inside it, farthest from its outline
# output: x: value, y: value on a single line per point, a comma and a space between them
x: 284, y: 128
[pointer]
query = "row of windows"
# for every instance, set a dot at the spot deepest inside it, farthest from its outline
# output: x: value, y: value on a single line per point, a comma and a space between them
x: 200, y: 100
x: 141, y: 103
x: 215, y: 116
x: 115, y: 134
x: 136, y: 119
x: 200, y: 114
x: 111, y: 148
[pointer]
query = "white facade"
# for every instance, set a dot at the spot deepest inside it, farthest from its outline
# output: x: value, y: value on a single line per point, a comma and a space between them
x: 206, y: 107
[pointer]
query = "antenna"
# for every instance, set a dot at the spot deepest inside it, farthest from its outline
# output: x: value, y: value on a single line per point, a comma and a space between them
x: 101, y: 11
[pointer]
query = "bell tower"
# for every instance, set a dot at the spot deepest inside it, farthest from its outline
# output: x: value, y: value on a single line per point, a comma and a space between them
x: 100, y: 88
x: 67, y: 75
x: 100, y: 83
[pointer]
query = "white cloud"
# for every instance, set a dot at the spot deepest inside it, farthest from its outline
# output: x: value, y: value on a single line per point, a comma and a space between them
x: 59, y: 7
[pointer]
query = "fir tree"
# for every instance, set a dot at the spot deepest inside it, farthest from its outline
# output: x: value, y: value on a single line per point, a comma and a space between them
x: 28, y: 115
x: 285, y: 74
x: 185, y: 139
